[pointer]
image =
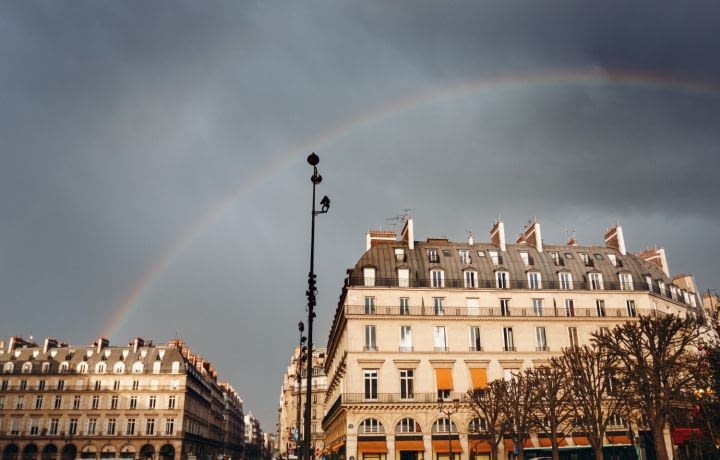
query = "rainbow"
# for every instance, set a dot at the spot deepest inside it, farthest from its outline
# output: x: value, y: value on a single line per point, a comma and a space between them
x: 550, y: 79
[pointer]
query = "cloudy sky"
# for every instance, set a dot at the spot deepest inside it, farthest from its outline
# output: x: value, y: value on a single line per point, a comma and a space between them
x: 153, y: 179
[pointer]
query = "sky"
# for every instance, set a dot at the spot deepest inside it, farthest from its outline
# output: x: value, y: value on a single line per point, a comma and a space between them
x: 153, y: 179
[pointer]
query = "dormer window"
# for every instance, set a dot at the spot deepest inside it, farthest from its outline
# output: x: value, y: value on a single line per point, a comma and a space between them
x: 470, y: 279
x: 525, y: 258
x: 403, y: 277
x: 447, y: 253
x: 598, y: 256
x: 612, y: 259
x: 502, y: 280
x: 565, y: 279
x: 433, y: 256
x: 481, y: 253
x: 534, y: 280
x: 369, y: 276
x: 559, y: 262
x: 464, y: 256
x: 495, y: 257
x: 437, y: 278
x: 596, y: 282
x: 584, y: 257
x: 626, y: 282
x: 399, y: 254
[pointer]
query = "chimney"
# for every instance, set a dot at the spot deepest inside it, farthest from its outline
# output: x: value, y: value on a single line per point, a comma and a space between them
x: 408, y: 234
x: 614, y: 239
x: 533, y: 237
x: 497, y: 235
x: 374, y: 237
x: 572, y: 241
x: 50, y: 342
x: 470, y: 238
x: 521, y: 239
x: 656, y: 256
x: 104, y: 342
x: 19, y: 342
x: 139, y: 342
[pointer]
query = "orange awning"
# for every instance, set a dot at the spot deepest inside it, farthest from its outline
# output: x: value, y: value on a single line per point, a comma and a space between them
x: 545, y: 442
x: 479, y: 378
x: 581, y: 441
x: 528, y: 444
x: 509, y: 445
x: 407, y: 444
x: 479, y: 445
x: 444, y: 378
x: 372, y: 447
x: 621, y: 439
x: 441, y: 446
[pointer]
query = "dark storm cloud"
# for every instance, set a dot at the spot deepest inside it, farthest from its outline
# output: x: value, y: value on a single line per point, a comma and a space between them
x: 122, y: 123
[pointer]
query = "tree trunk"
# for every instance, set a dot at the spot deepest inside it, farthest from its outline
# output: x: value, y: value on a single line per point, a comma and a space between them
x: 494, y: 452
x: 598, y: 452
x: 554, y: 445
x: 659, y: 442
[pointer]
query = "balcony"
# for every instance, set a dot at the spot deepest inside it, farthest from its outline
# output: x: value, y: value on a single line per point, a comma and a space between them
x: 405, y: 349
x: 370, y: 348
x: 383, y: 398
x: 441, y: 349
x: 481, y: 312
x: 509, y: 349
x: 542, y: 348
x: 475, y: 349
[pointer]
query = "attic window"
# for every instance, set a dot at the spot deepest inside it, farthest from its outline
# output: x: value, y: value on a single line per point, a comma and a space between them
x: 464, y: 256
x: 400, y: 254
x: 568, y: 255
x: 481, y: 253
x: 433, y: 255
x: 598, y: 256
x: 447, y: 253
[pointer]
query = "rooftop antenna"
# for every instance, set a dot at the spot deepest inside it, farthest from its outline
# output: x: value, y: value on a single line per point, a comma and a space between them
x: 406, y: 213
x: 393, y: 221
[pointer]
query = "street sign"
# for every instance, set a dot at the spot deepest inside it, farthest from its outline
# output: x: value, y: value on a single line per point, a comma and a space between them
x: 317, y: 451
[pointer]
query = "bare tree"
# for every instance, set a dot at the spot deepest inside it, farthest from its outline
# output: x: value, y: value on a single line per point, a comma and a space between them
x: 554, y: 403
x: 487, y: 405
x: 520, y: 405
x: 596, y: 401
x: 656, y: 364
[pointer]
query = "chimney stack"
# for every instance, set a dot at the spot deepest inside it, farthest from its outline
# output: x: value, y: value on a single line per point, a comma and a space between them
x: 470, y: 239
x: 374, y: 237
x: 533, y: 237
x: 614, y: 239
x: 656, y: 256
x: 572, y: 241
x: 50, y: 342
x: 104, y: 342
x: 139, y: 342
x: 497, y: 235
x: 521, y: 239
x: 408, y: 234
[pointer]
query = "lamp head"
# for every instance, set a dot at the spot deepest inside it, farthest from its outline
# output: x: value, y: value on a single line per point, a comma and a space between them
x: 325, y: 203
x: 316, y: 178
x: 301, y: 326
x: 440, y: 402
x: 313, y: 159
x: 456, y: 403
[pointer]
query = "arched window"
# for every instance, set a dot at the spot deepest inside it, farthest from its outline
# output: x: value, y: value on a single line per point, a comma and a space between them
x: 437, y: 278
x: 8, y: 368
x: 119, y: 367
x: 444, y: 425
x: 407, y: 425
x: 64, y: 367
x: 27, y: 368
x: 477, y: 425
x: 371, y: 425
x: 138, y: 367
x: 175, y: 367
x: 82, y: 368
x: 101, y: 367
x: 45, y: 368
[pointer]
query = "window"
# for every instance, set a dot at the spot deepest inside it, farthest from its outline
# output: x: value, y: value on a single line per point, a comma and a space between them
x: 369, y: 305
x: 130, y: 427
x: 534, y: 280
x: 53, y: 427
x: 399, y: 255
x: 573, y: 337
x: 505, y: 307
x: 525, y: 258
x: 114, y: 402
x: 370, y: 344
x: 2, y: 401
x: 626, y: 282
x: 23, y: 385
x: 371, y: 383
x: 569, y: 307
x: 45, y: 368
x: 95, y: 404
x: 4, y: 384
x: 64, y: 368
x: 616, y: 421
x: 541, y: 339
x: 444, y: 425
x: 510, y: 374
x: 57, y: 404
x: 438, y: 306
x: 407, y: 377
x: 406, y: 338
x: 76, y: 402
x: 481, y: 253
x: 41, y: 385
x: 600, y: 307
x: 473, y: 306
x: 475, y: 344
x: 477, y: 425
x: 111, y: 424
x: 403, y: 277
x: 501, y: 279
x: 407, y: 425
x: 82, y: 368
x: 169, y: 427
x: 119, y: 367
x: 433, y: 256
x: 175, y: 367
x: 38, y: 402
x: 465, y: 256
x: 172, y: 399
x: 20, y: 402
x: 91, y: 426
x: 447, y: 253
x: 97, y: 385
x: 584, y: 257
x: 27, y: 368
x: 630, y: 305
x: 100, y: 367
x: 72, y: 426
x: 371, y: 425
x: 495, y: 257
x: 596, y: 283
x: 61, y: 385
x: 440, y: 338
x: 568, y: 255
x: 136, y: 385
x: 604, y: 330
x: 133, y: 402
x: 138, y: 367
x: 369, y: 276
x: 150, y: 427
x: 598, y: 257
x: 404, y: 305
x: 555, y: 257
x: 537, y: 307
x: 152, y: 401
x: 34, y: 426
x: 437, y: 278
x: 565, y: 280
x: 508, y: 340
x: 116, y: 385
x: 470, y: 279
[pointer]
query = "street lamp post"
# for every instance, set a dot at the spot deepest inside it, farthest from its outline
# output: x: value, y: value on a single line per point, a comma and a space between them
x: 298, y: 377
x: 449, y: 411
x: 316, y: 178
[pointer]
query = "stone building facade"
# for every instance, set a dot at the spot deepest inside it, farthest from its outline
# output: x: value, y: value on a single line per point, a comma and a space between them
x: 140, y: 401
x: 422, y: 321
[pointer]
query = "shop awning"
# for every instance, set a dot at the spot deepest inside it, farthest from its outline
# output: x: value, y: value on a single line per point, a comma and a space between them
x: 581, y: 441
x: 408, y: 444
x: 622, y: 439
x: 372, y: 447
x: 479, y: 445
x: 479, y: 378
x: 510, y: 445
x: 441, y: 446
x: 683, y: 435
x: 444, y: 378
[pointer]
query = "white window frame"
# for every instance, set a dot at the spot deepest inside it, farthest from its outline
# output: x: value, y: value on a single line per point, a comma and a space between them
x: 595, y: 281
x: 369, y: 276
x: 404, y: 305
x: 370, y: 338
x: 573, y: 340
x: 541, y: 338
x: 495, y: 257
x: 370, y: 384
x: 626, y: 281
x: 569, y: 307
x: 471, y: 279
x: 502, y: 279
x: 440, y: 338
x: 538, y: 307
x: 505, y: 307
x: 369, y: 305
x: 631, y: 308
x: 465, y: 256
x: 508, y: 338
x: 475, y: 338
x: 407, y: 384
x: 566, y: 281
x: 534, y: 280
x: 600, y: 308
x: 525, y: 256
x: 437, y: 278
x: 439, y: 306
x: 403, y: 277
x: 406, y: 338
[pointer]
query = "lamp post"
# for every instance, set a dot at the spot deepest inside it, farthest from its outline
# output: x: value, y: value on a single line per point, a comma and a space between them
x: 316, y: 178
x: 449, y: 411
x: 298, y: 378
